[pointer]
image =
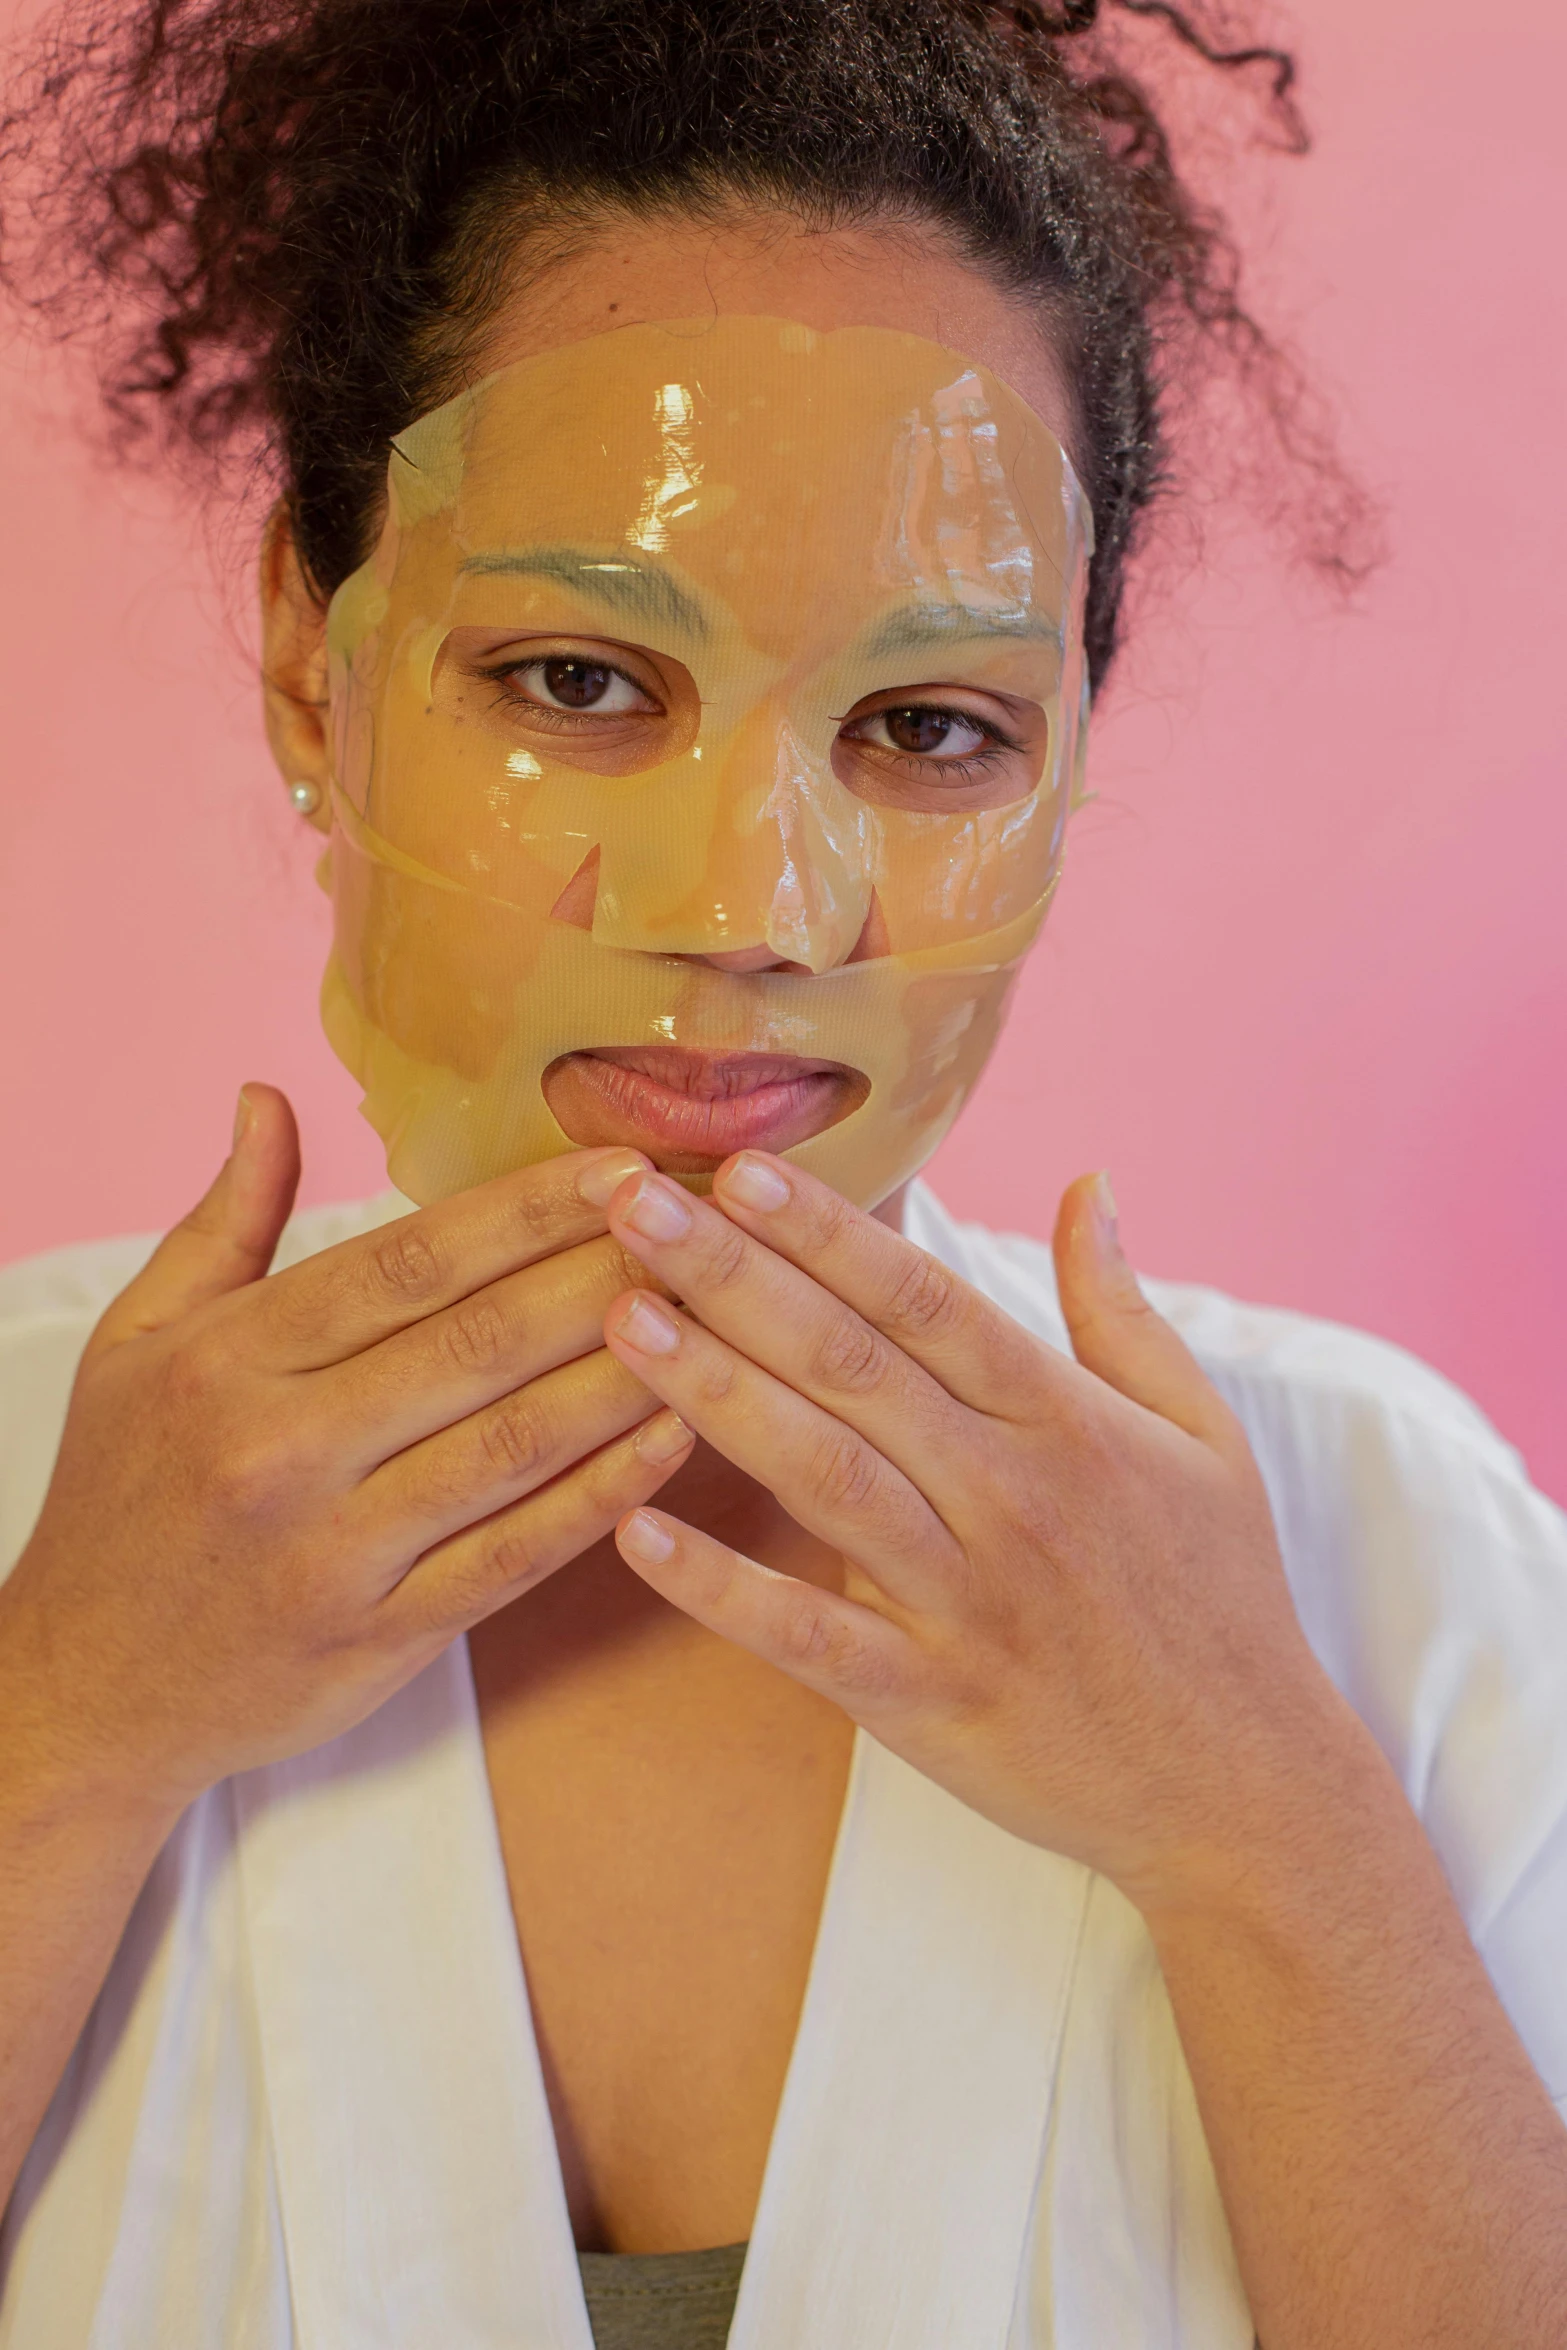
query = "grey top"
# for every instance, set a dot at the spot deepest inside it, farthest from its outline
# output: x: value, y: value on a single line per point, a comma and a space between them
x: 662, y: 2300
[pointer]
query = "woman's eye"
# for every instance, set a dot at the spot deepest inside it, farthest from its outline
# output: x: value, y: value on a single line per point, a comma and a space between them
x: 579, y: 685
x: 924, y: 733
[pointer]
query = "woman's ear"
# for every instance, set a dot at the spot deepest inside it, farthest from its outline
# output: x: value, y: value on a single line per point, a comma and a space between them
x: 294, y: 672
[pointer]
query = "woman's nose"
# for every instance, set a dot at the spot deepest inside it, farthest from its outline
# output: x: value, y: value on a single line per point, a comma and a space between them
x: 757, y: 860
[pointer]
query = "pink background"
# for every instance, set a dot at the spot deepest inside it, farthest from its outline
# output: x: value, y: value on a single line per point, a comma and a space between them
x: 1305, y: 993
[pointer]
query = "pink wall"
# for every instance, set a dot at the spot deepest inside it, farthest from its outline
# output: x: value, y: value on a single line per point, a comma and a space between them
x: 1305, y: 993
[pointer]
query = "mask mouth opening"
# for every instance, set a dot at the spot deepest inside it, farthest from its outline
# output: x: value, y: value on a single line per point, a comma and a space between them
x: 689, y: 1110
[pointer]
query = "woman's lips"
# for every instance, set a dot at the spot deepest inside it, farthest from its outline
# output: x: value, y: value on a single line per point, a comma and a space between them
x: 688, y: 1110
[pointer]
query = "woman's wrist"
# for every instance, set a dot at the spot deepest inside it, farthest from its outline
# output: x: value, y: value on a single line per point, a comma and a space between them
x: 61, y: 1773
x: 1314, y: 1826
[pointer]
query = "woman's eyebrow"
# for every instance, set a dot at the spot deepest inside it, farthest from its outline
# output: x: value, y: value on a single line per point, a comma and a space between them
x: 638, y: 588
x: 919, y: 625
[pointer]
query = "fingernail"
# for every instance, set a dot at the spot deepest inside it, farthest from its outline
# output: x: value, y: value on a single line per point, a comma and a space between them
x: 753, y: 1183
x: 663, y: 1439
x: 244, y: 1111
x: 658, y: 1210
x: 648, y: 1328
x: 1105, y: 1208
x: 645, y: 1538
x: 600, y: 1179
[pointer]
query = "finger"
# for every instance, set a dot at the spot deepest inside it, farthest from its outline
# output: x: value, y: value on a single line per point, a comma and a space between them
x: 846, y: 1652
x: 976, y: 1352
x: 461, y: 1581
x: 228, y: 1239
x: 1116, y: 1333
x: 484, y: 1347
x: 786, y: 1322
x: 496, y: 1456
x: 351, y: 1297
x: 828, y: 1477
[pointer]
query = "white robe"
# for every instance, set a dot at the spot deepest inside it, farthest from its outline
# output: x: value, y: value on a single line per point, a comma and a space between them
x: 307, y: 2110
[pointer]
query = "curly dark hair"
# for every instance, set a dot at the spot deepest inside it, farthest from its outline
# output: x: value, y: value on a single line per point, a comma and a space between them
x: 290, y: 218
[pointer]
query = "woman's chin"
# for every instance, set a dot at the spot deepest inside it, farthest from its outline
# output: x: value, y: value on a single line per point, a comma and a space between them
x: 690, y: 1111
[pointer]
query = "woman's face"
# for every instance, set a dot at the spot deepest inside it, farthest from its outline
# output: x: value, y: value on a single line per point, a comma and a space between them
x: 703, y: 724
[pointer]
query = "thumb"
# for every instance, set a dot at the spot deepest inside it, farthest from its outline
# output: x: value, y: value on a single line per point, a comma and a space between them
x: 229, y: 1236
x: 1115, y: 1332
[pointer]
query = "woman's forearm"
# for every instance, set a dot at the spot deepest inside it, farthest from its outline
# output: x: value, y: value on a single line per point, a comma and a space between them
x: 1394, y: 2172
x: 75, y: 1850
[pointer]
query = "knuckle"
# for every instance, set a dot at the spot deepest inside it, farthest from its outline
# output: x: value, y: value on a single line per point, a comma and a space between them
x: 925, y: 1300
x: 864, y: 1668
x: 1129, y: 1312
x: 514, y: 1442
x: 203, y: 1385
x: 198, y: 1369
x: 535, y: 1210
x: 825, y: 1217
x: 716, y: 1377
x: 843, y: 1471
x: 818, y: 1642
x: 474, y: 1336
x: 249, y: 1477
x: 850, y: 1357
x: 207, y: 1220
x: 513, y: 1558
x: 725, y: 1257
x: 806, y: 1637
x: 404, y: 1265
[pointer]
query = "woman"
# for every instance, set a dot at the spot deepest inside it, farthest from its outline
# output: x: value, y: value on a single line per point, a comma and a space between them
x: 708, y: 456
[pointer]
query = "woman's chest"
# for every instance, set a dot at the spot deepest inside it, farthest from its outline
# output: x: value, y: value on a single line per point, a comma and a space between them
x: 667, y: 1840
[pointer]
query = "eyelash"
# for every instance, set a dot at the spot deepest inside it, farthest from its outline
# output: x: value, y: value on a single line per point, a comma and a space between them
x: 559, y: 719
x: 975, y: 764
x: 911, y: 762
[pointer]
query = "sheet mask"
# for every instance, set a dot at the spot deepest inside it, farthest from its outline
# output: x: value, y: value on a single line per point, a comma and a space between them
x: 800, y: 520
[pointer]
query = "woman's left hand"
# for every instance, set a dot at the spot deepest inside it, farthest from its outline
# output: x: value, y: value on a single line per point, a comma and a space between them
x: 1062, y: 1594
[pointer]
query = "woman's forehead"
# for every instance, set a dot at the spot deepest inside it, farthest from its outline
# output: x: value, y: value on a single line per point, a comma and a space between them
x: 748, y: 461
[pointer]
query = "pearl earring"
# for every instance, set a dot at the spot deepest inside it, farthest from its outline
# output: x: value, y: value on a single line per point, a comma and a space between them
x: 306, y: 797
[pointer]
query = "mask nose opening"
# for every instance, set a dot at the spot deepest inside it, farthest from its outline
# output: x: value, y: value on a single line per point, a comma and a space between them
x: 873, y: 941
x: 578, y: 899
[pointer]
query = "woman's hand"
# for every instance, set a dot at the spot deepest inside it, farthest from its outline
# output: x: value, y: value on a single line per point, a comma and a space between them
x: 276, y: 1500
x: 1062, y: 1598
x: 1062, y: 1594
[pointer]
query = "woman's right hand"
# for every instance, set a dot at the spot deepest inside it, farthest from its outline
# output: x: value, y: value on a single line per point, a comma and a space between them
x: 276, y: 1500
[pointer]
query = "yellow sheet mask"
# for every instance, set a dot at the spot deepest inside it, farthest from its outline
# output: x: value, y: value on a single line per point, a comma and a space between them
x: 791, y: 522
